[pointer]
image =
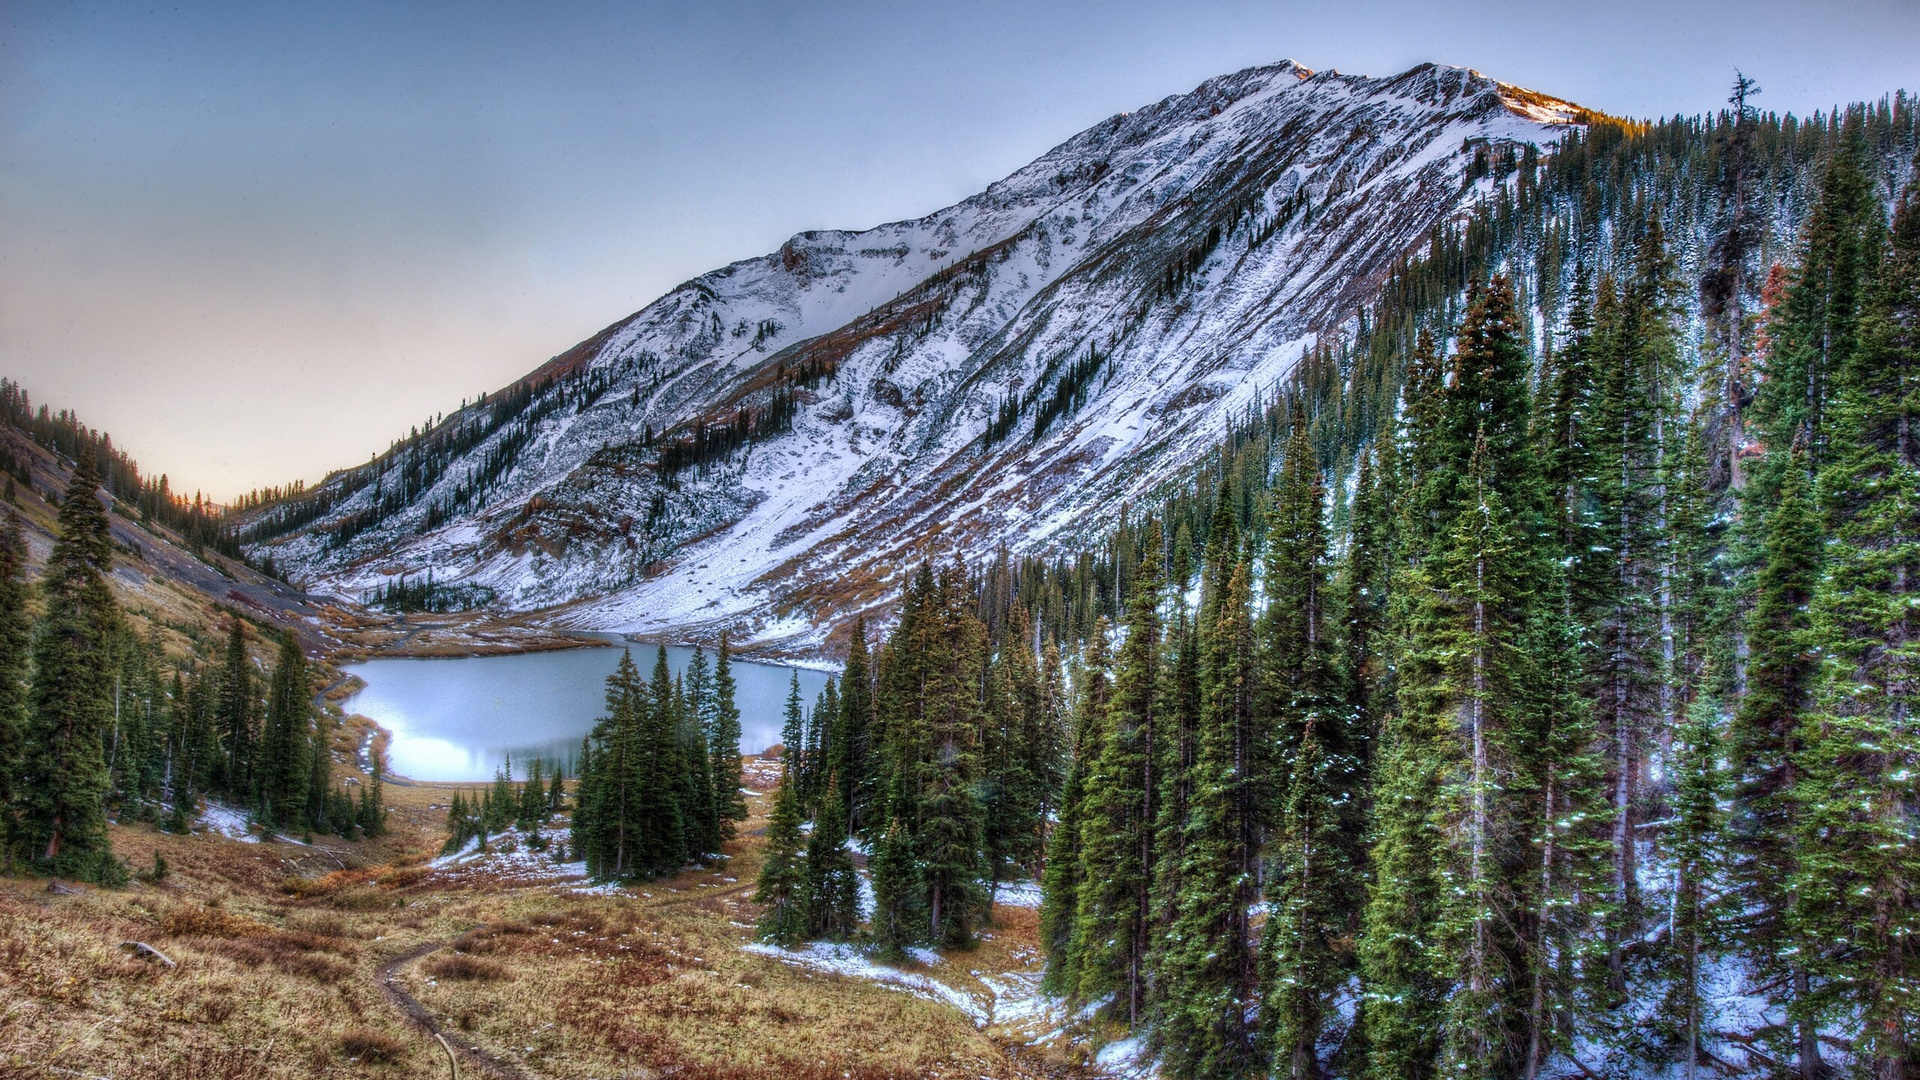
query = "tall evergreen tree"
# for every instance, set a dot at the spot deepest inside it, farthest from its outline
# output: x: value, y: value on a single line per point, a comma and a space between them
x: 832, y: 883
x: 782, y: 889
x: 286, y: 740
x: 851, y: 759
x: 1060, y: 884
x: 660, y: 842
x: 236, y: 714
x: 1113, y: 926
x: 1816, y: 329
x: 1766, y: 751
x: 63, y: 774
x: 1206, y: 963
x: 15, y: 650
x: 1856, y: 894
x: 1316, y: 881
x: 723, y: 746
x: 947, y: 841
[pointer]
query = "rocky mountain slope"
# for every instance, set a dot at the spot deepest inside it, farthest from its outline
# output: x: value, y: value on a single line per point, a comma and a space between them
x: 771, y: 446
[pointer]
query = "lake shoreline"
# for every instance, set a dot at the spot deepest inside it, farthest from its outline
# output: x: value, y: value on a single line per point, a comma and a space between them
x: 459, y: 635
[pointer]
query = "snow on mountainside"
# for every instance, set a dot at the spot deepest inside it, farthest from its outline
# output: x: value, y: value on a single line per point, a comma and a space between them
x: 1008, y: 370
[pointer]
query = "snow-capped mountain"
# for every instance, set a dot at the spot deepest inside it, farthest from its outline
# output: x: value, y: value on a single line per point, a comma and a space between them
x: 772, y: 446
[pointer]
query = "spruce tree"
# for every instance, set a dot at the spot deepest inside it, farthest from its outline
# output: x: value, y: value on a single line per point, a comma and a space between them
x: 1816, y: 328
x: 1766, y: 751
x: 608, y: 825
x: 63, y: 774
x: 833, y: 885
x: 660, y: 833
x: 897, y: 891
x: 1857, y: 783
x: 15, y: 650
x: 372, y: 812
x: 1060, y: 883
x: 236, y: 714
x: 1206, y: 962
x: 947, y: 841
x: 782, y: 889
x: 1696, y: 836
x: 1114, y: 921
x: 793, y: 726
x: 701, y: 817
x: 723, y: 747
x: 286, y: 741
x: 1319, y: 830
x: 852, y: 753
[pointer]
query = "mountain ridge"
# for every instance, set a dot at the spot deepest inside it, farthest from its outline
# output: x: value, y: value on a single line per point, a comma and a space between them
x: 822, y: 415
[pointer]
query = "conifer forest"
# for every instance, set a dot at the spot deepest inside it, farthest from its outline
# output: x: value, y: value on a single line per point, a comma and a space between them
x: 1519, y: 685
x: 1544, y: 653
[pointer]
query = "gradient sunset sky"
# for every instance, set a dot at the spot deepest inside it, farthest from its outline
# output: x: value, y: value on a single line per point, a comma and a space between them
x: 258, y: 241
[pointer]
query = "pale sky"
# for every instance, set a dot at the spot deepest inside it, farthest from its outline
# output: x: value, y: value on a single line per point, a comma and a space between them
x: 258, y: 241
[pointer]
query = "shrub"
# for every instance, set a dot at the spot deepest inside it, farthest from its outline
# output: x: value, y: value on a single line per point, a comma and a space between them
x: 372, y: 1047
x: 464, y: 967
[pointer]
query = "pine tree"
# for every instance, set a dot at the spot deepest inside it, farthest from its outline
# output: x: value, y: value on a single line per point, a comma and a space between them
x: 1113, y: 925
x: 1060, y: 884
x: 793, y: 728
x: 533, y: 798
x: 947, y: 841
x: 1636, y: 360
x: 607, y: 823
x: 1815, y: 330
x: 660, y: 834
x: 182, y: 773
x: 63, y: 775
x: 285, y: 745
x: 15, y: 651
x: 236, y: 714
x: 1206, y: 962
x: 723, y: 747
x: 701, y: 818
x: 1319, y: 831
x: 1765, y: 748
x: 851, y: 758
x: 457, y: 825
x: 1696, y: 837
x: 1724, y: 292
x: 372, y: 812
x: 782, y: 888
x: 832, y: 883
x: 897, y: 891
x: 1857, y: 784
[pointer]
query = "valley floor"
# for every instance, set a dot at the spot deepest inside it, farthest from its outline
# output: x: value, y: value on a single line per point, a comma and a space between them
x: 330, y: 959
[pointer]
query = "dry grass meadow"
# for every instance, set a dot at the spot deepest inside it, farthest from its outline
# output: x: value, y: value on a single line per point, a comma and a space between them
x: 338, y: 960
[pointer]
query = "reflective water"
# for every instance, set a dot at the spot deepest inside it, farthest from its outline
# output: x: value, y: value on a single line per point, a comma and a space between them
x: 458, y: 718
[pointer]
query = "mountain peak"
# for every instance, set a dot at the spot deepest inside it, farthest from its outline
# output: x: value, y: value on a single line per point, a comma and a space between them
x: 764, y: 448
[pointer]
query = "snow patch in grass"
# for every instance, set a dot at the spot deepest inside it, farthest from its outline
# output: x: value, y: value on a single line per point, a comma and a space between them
x: 850, y: 961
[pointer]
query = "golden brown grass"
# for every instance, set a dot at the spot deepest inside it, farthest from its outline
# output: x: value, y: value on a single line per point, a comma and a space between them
x: 279, y: 958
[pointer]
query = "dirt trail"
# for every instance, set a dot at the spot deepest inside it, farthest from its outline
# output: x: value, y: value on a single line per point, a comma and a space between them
x: 417, y: 1013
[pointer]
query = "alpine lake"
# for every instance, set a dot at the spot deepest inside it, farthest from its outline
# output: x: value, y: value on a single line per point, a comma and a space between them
x: 461, y: 718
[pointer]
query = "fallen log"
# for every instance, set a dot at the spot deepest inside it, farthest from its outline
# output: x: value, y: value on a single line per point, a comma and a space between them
x: 143, y: 949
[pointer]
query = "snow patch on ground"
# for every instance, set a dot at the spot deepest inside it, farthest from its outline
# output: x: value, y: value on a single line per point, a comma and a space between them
x: 509, y: 858
x: 227, y: 822
x: 1020, y: 894
x: 1128, y: 1058
x: 851, y: 962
